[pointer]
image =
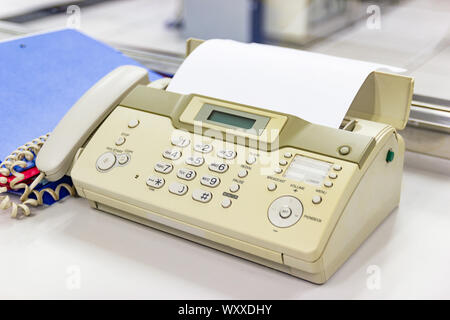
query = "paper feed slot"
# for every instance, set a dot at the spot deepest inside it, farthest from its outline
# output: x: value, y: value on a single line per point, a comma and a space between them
x: 383, y: 97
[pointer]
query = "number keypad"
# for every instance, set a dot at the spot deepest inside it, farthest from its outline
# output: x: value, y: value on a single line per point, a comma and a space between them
x: 195, y: 161
x: 172, y: 154
x: 218, y: 167
x: 203, y: 148
x: 163, y: 167
x: 186, y: 174
x: 210, y: 181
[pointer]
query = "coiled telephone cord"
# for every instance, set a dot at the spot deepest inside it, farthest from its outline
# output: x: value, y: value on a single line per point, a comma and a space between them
x: 16, y: 159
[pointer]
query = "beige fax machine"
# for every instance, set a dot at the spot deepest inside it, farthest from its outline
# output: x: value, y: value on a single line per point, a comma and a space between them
x: 261, y: 185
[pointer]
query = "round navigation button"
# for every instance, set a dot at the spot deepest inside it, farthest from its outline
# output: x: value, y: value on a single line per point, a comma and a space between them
x: 288, y: 155
x: 337, y: 167
x: 106, y: 161
x: 285, y: 212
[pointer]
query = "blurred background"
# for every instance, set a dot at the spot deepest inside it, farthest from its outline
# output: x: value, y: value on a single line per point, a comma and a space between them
x: 413, y: 34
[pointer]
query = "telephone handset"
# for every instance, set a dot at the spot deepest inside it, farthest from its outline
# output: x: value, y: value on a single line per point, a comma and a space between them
x: 56, y: 155
x: 54, y: 152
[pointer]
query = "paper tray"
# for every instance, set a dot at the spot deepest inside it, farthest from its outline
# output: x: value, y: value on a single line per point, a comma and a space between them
x: 383, y: 97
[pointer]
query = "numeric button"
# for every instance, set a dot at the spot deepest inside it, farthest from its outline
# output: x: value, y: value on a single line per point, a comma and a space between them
x: 172, y: 154
x: 218, y: 167
x: 178, y: 188
x: 210, y: 181
x: 180, y: 141
x: 201, y: 195
x: 186, y: 174
x: 203, y: 148
x: 163, y: 167
x: 227, y: 154
x: 195, y: 161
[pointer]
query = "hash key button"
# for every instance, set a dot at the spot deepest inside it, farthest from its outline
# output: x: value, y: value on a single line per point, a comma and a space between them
x: 201, y: 195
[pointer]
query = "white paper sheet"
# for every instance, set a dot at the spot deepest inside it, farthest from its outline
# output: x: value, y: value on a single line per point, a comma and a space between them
x: 315, y: 87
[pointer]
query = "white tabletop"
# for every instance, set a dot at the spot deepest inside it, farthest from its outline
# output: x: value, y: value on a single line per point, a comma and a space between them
x: 69, y: 250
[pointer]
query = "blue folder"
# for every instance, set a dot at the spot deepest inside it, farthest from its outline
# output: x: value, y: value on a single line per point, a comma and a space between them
x: 42, y: 76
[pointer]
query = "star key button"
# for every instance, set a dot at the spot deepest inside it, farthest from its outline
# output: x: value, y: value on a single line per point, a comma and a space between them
x: 155, y: 182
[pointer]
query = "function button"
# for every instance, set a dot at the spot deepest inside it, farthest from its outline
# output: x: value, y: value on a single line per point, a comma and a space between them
x: 180, y: 141
x: 227, y: 154
x: 133, y: 123
x: 288, y: 155
x: 123, y: 158
x: 251, y: 159
x: 201, y: 195
x: 195, y: 161
x: 332, y: 175
x: 106, y: 161
x: 218, y: 167
x: 337, y: 167
x: 242, y: 173
x: 210, y: 181
x: 317, y: 199
x: 234, y: 187
x: 163, y: 167
x: 285, y: 212
x: 120, y: 141
x: 271, y: 186
x: 344, y: 150
x: 278, y: 170
x: 203, y: 148
x: 186, y: 174
x: 178, y: 188
x: 328, y: 184
x: 155, y: 182
x: 172, y: 154
x: 226, y: 202
x: 283, y: 162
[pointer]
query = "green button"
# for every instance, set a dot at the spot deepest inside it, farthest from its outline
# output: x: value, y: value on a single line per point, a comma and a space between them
x: 390, y: 156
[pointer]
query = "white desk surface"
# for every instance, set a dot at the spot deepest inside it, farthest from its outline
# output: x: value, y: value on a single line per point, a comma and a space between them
x: 116, y: 258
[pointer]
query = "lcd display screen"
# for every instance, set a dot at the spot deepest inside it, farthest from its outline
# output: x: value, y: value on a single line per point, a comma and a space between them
x: 308, y: 170
x: 231, y: 119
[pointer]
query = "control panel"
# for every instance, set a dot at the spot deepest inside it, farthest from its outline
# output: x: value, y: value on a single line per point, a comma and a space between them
x: 235, y: 190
